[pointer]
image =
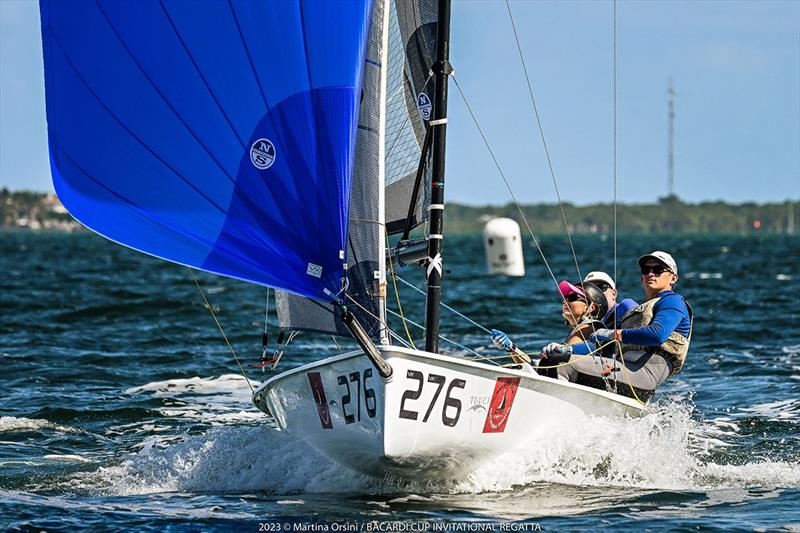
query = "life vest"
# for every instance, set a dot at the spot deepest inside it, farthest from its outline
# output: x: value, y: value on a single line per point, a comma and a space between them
x: 595, y: 325
x: 674, y: 349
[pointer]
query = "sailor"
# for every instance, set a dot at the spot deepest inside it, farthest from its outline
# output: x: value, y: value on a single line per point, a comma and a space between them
x: 654, y: 338
x: 582, y: 307
x: 616, y: 309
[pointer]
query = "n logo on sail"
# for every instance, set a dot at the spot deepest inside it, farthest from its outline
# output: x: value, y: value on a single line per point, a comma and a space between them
x: 262, y: 154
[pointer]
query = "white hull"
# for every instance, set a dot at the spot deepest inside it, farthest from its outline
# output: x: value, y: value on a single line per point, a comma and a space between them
x: 437, y: 416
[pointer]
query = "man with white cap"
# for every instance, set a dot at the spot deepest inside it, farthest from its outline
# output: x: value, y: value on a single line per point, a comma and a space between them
x: 616, y: 310
x: 654, y: 338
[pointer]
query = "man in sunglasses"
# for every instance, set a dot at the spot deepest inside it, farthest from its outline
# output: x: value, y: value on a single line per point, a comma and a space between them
x: 616, y: 310
x: 654, y: 338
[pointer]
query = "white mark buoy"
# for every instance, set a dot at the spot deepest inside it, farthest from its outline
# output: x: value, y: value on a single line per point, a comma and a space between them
x: 503, y: 244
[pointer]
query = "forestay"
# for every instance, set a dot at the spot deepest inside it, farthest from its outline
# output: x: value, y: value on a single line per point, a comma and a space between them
x: 218, y: 135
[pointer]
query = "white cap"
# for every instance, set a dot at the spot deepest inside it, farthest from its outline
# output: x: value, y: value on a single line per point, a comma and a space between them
x: 600, y: 276
x: 664, y: 257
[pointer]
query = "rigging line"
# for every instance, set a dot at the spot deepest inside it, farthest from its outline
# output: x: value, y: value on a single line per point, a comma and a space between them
x: 454, y: 343
x: 333, y: 338
x: 382, y: 322
x: 266, y: 313
x: 213, y: 314
x: 397, y: 297
x: 544, y: 143
x: 614, y: 160
x: 508, y: 186
x: 465, y: 317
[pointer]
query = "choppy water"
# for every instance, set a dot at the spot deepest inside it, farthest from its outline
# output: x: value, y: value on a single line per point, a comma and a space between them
x: 121, y: 407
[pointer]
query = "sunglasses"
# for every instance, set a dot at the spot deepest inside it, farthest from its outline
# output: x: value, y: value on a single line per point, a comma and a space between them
x: 574, y: 297
x: 602, y: 286
x: 655, y: 269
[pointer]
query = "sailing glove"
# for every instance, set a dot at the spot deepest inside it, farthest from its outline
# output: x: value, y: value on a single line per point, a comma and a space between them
x: 502, y: 341
x: 555, y: 348
x: 602, y: 336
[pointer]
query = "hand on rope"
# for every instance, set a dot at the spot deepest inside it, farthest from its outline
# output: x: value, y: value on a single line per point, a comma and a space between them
x: 555, y: 348
x: 503, y: 341
x: 603, y: 336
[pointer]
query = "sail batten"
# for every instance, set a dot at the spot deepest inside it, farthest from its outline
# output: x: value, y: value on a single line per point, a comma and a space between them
x: 219, y: 135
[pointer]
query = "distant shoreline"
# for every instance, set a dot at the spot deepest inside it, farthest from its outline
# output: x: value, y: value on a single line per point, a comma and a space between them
x: 671, y: 215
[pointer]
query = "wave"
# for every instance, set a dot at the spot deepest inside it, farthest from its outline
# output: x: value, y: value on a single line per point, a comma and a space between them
x: 225, y: 399
x: 9, y: 424
x: 666, y: 449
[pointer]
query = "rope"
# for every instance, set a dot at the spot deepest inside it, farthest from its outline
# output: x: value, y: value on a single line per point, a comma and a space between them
x: 575, y: 359
x: 454, y: 343
x: 510, y: 191
x: 614, y: 162
x: 397, y: 297
x: 465, y: 317
x: 333, y: 338
x: 211, y: 309
x: 381, y: 322
x: 541, y: 134
x: 614, y: 158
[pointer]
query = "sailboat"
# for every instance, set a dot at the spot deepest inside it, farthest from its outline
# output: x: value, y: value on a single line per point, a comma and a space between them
x: 280, y: 143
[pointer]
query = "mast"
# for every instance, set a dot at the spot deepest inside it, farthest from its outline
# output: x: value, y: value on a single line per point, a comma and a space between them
x: 441, y: 69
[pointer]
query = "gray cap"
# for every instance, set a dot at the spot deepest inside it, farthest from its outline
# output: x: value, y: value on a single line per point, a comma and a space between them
x: 664, y: 257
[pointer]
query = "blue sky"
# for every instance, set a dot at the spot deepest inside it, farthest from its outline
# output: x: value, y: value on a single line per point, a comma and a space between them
x: 735, y: 67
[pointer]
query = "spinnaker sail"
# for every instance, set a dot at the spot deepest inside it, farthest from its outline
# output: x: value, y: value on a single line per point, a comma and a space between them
x: 392, y: 130
x: 366, y: 269
x: 218, y: 135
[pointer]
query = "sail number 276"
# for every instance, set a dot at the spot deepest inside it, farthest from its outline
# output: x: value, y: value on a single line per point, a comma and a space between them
x: 451, y: 409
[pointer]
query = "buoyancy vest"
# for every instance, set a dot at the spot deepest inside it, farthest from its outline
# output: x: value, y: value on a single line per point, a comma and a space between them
x: 595, y: 325
x: 674, y: 349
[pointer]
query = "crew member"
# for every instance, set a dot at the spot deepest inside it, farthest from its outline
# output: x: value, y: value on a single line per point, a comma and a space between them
x: 582, y: 306
x: 616, y: 309
x: 654, y: 338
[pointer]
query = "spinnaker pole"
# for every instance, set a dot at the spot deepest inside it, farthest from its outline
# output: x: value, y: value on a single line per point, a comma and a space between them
x: 441, y: 70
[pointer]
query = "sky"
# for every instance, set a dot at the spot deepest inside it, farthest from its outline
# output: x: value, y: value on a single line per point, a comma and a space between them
x: 735, y: 67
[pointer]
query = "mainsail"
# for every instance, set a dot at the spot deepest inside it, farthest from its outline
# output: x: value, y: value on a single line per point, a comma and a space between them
x: 218, y: 135
x: 412, y: 51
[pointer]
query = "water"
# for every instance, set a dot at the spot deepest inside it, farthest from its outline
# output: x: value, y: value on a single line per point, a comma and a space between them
x: 123, y: 409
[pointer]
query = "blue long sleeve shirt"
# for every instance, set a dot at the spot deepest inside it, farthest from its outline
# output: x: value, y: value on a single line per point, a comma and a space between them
x: 615, y: 314
x: 669, y: 314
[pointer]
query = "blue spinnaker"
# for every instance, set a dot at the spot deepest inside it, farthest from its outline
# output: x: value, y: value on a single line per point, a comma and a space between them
x: 216, y: 134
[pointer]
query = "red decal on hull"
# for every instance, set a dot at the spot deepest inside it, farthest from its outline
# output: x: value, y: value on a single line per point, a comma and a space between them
x: 319, y: 398
x: 505, y: 389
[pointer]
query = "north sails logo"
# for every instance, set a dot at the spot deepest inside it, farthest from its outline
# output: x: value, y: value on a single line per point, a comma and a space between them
x: 424, y: 106
x: 262, y: 154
